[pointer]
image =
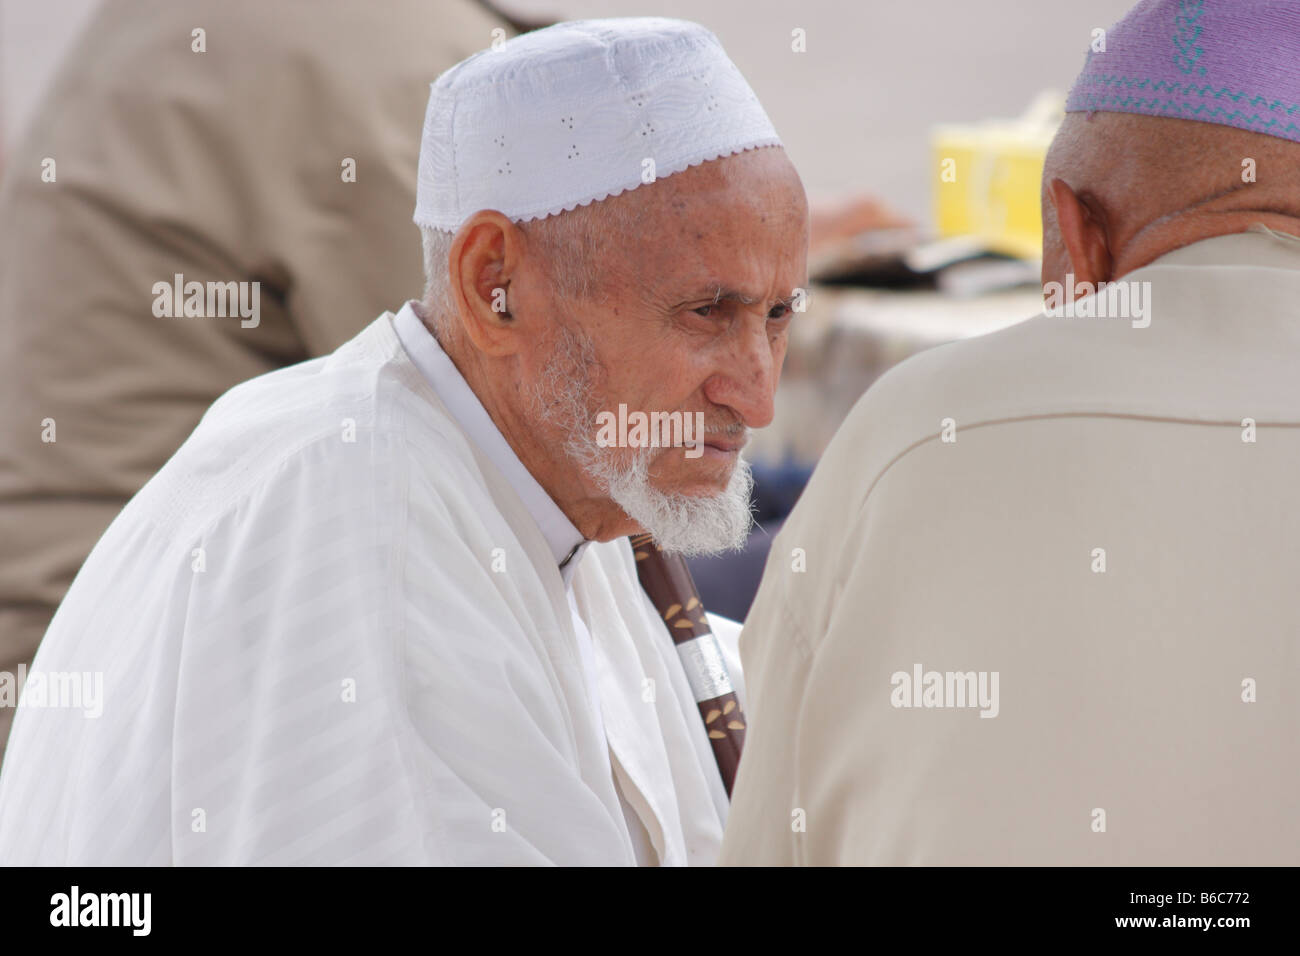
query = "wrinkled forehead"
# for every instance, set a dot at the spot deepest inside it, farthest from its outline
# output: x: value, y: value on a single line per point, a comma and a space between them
x: 743, y: 238
x: 755, y: 190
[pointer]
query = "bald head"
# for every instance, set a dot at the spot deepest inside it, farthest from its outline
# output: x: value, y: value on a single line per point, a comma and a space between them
x: 1121, y: 189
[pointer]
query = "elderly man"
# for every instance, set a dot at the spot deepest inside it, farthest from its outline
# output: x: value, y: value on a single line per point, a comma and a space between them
x: 1035, y: 605
x: 380, y: 607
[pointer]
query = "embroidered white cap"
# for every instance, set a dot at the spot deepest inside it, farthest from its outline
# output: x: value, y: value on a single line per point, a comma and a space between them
x: 578, y: 112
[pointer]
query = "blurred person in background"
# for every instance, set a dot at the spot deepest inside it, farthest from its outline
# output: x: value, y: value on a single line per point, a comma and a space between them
x: 208, y: 141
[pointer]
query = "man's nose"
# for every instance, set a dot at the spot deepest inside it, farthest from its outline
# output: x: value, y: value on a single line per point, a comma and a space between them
x: 747, y: 380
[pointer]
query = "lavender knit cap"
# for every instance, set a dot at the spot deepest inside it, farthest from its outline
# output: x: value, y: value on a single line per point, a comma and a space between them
x: 1234, y: 62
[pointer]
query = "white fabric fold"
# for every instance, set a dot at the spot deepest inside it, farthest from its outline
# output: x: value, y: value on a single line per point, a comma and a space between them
x: 308, y: 657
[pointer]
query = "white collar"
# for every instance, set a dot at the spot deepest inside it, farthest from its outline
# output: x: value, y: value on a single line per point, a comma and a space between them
x: 566, y: 541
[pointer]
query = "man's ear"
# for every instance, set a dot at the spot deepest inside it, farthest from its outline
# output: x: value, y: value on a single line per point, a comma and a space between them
x: 485, y: 255
x: 1083, y: 233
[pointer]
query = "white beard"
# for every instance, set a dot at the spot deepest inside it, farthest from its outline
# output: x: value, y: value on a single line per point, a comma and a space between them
x: 686, y: 524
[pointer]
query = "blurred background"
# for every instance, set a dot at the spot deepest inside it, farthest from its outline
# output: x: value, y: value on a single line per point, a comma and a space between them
x: 855, y: 111
x: 919, y: 129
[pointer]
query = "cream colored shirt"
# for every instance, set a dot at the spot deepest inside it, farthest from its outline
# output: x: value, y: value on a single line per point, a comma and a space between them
x: 1100, y: 517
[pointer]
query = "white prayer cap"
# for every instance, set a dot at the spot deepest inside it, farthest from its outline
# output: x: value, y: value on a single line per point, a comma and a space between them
x: 577, y: 112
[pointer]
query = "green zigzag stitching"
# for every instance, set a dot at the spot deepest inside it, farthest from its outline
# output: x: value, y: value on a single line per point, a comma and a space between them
x: 1114, y: 79
x: 1186, y: 52
x: 1095, y: 102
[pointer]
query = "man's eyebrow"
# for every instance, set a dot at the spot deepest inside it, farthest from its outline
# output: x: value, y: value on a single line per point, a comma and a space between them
x: 720, y: 293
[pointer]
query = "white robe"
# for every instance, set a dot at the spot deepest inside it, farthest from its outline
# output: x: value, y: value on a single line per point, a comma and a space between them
x: 307, y: 657
x: 562, y: 537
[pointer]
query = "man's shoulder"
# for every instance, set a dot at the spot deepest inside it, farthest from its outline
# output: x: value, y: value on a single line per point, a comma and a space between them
x: 1039, y: 368
x: 935, y: 394
x: 352, y: 413
x: 1172, y: 347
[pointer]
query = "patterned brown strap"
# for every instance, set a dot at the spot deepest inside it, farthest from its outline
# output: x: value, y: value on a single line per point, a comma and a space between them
x: 667, y: 580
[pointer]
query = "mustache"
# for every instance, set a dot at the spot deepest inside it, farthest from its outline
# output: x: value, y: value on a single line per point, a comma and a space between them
x: 734, y: 428
x: 729, y: 428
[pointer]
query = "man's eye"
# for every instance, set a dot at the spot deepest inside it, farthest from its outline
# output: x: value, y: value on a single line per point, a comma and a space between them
x: 779, y: 311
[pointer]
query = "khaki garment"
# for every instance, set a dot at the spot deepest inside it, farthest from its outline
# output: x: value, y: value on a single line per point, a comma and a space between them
x: 1119, y: 691
x: 224, y: 165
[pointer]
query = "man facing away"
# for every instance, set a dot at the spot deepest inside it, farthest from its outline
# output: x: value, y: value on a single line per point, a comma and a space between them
x: 380, y: 607
x: 1036, y: 604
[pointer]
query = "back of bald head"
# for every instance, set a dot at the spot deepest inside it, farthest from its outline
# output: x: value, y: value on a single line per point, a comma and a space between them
x: 1142, y: 169
x: 1121, y: 189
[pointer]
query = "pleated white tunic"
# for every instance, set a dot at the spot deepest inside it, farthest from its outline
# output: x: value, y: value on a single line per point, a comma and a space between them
x: 331, y: 632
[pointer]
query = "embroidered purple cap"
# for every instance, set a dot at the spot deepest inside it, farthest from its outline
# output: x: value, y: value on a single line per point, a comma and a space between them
x: 1234, y: 62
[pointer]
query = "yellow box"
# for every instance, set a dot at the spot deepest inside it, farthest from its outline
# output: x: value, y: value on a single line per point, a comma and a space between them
x: 988, y: 179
